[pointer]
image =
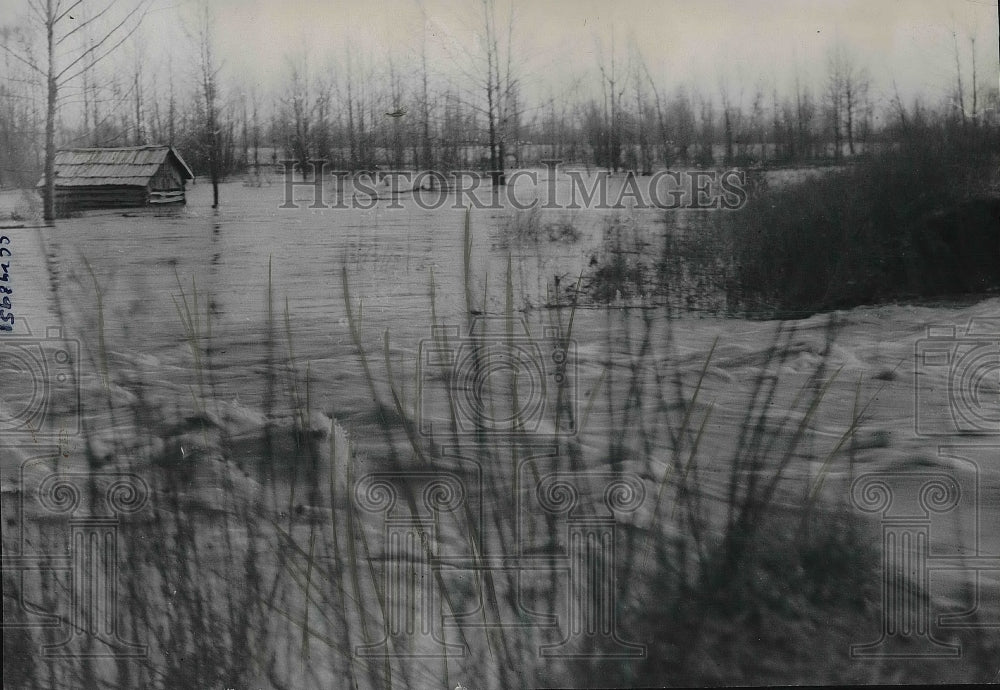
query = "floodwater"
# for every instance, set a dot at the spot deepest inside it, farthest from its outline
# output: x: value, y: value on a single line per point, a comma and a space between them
x: 244, y: 308
x: 251, y: 251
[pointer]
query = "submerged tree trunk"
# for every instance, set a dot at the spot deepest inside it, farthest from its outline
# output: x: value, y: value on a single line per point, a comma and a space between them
x: 502, y: 156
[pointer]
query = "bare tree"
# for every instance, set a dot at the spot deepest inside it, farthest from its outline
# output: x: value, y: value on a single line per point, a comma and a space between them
x: 396, y: 98
x: 975, y: 90
x: 639, y: 74
x: 56, y: 20
x: 492, y: 89
x: 138, y: 64
x: 20, y: 92
x: 612, y: 108
x: 171, y: 102
x: 352, y: 132
x: 847, y: 96
x: 727, y: 120
x: 503, y: 109
x: 856, y: 84
x: 425, y: 103
x: 757, y: 130
x: 661, y: 122
x: 706, y: 156
x: 208, y: 75
x: 835, y: 99
x: 960, y: 91
x: 959, y: 98
x: 255, y: 128
x: 681, y: 120
x: 805, y: 115
x: 360, y: 108
x: 323, y: 89
x: 299, y: 108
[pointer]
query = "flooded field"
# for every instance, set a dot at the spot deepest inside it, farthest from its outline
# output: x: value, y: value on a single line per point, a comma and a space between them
x: 393, y: 258
x: 219, y: 346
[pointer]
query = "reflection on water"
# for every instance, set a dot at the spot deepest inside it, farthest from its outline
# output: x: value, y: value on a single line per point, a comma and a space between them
x: 225, y: 266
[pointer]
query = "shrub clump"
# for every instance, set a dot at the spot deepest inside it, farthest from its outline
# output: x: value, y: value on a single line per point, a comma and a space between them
x: 526, y: 227
x: 919, y: 219
x: 619, y: 270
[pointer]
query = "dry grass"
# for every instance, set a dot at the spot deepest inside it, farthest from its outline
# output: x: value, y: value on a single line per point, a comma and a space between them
x: 266, y: 572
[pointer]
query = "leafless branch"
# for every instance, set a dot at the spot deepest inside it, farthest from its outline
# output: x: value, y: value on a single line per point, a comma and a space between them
x: 87, y: 22
x: 68, y: 10
x: 20, y: 59
x: 144, y: 6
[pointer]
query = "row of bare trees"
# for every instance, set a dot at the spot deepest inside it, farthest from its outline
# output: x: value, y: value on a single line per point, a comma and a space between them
x: 53, y: 57
x: 360, y: 113
x: 62, y: 63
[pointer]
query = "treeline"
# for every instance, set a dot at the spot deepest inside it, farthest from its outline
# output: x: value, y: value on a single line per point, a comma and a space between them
x: 359, y: 115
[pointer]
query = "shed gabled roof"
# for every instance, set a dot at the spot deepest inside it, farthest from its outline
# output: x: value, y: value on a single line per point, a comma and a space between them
x: 119, y: 166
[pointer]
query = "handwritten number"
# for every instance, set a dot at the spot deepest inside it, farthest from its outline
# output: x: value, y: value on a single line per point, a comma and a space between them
x: 6, y: 319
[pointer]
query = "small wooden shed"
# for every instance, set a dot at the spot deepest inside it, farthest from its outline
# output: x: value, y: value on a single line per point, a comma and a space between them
x: 118, y: 177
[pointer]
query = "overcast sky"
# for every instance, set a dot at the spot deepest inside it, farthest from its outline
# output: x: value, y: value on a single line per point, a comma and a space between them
x: 702, y: 43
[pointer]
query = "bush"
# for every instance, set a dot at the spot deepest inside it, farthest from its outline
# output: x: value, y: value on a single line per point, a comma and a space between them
x: 619, y: 271
x: 526, y: 227
x: 682, y: 266
x: 917, y: 220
